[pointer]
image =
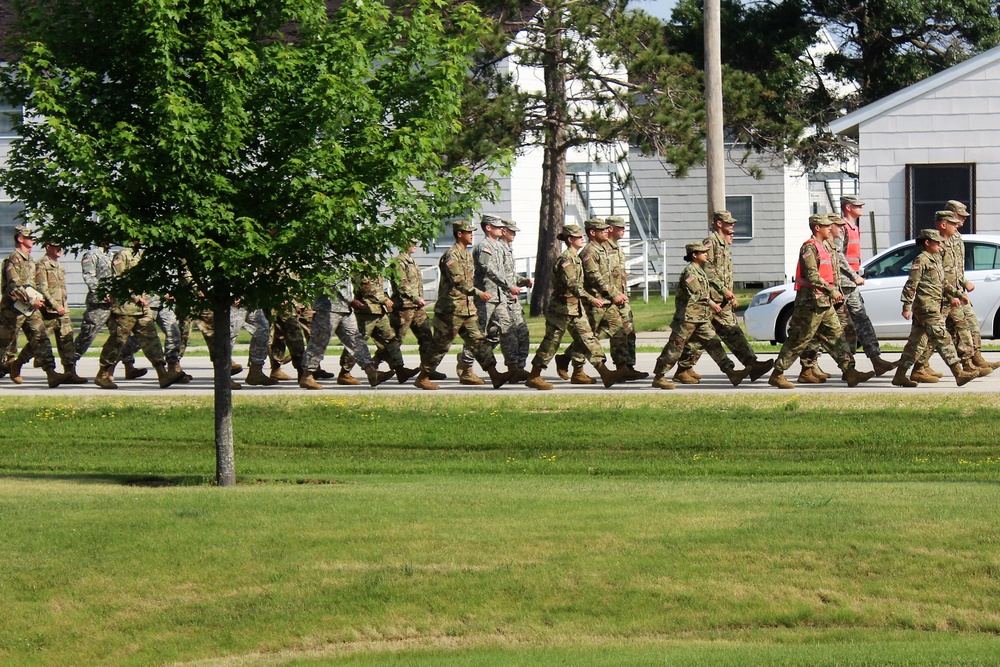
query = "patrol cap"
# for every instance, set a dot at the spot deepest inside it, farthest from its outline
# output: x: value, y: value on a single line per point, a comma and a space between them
x: 852, y: 200
x: 692, y: 248
x: 820, y: 220
x: 616, y: 221
x: 835, y: 219
x: 570, y: 231
x: 724, y: 216
x: 23, y: 231
x: 462, y: 226
x: 930, y: 235
x: 511, y: 225
x: 492, y: 221
x: 957, y: 207
x: 595, y: 223
x: 946, y: 216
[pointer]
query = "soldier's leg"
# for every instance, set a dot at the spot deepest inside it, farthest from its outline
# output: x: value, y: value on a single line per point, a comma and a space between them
x: 584, y: 338
x: 476, y: 340
x: 731, y: 334
x: 555, y: 327
x: 801, y: 330
x: 8, y: 332
x: 420, y: 325
x: 445, y: 329
x: 260, y: 336
x: 679, y: 335
x: 521, y: 334
x: 831, y: 337
x: 707, y: 337
x: 618, y: 338
x: 323, y: 323
x: 94, y: 319
x: 960, y: 333
x: 354, y: 342
x: 166, y: 319
x: 466, y: 356
x: 63, y: 329
x: 144, y: 332
x: 385, y: 339
x: 624, y: 349
x: 119, y: 330
x: 862, y: 325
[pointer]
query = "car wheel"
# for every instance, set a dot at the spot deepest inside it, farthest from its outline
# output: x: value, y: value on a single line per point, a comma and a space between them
x: 996, y: 326
x: 781, y: 328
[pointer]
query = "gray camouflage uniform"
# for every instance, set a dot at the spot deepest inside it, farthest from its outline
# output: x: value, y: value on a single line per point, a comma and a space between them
x: 333, y: 315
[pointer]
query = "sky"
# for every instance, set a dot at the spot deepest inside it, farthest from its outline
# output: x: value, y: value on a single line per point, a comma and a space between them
x: 659, y: 8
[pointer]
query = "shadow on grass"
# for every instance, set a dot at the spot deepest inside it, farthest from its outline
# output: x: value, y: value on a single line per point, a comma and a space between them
x: 160, y: 481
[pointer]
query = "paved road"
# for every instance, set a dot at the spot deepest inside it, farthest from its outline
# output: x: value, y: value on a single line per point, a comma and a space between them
x: 714, y: 381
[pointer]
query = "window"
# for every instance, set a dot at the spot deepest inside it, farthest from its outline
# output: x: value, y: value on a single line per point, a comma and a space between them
x: 929, y: 186
x: 10, y: 116
x: 980, y: 257
x: 896, y: 263
x: 742, y: 209
x: 10, y: 212
x: 647, y: 216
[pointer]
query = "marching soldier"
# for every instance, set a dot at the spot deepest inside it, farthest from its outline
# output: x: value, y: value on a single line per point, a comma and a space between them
x: 408, y: 303
x: 622, y: 350
x: 50, y: 279
x: 488, y: 278
x: 516, y: 342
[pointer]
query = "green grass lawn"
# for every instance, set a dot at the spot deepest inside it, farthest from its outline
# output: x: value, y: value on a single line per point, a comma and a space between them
x: 525, y: 531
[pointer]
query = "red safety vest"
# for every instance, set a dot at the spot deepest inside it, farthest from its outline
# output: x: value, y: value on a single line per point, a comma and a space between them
x: 825, y: 268
x: 852, y: 246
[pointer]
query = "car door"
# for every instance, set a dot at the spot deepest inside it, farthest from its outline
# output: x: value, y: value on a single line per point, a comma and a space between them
x: 885, y: 276
x: 982, y: 268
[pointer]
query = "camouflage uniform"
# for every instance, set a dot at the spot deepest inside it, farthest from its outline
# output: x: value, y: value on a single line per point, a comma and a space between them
x: 926, y: 289
x: 622, y: 350
x: 516, y: 343
x: 600, y: 283
x: 50, y: 280
x: 332, y: 314
x: 952, y: 260
x: 455, y: 312
x: 19, y: 274
x: 130, y: 317
x: 408, y: 313
x: 96, y: 268
x: 290, y: 326
x: 373, y: 322
x: 842, y: 270
x: 856, y: 309
x: 259, y: 328
x: 693, y: 322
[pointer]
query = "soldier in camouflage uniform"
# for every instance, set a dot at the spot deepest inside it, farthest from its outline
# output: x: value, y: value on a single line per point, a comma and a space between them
x: 256, y: 324
x: 19, y: 307
x: 288, y: 331
x: 132, y: 317
x: 408, y: 314
x: 493, y: 315
x: 332, y: 314
x: 455, y: 312
x: 605, y: 319
x: 96, y: 267
x: 693, y: 321
x: 925, y: 291
x: 622, y: 350
x: 719, y: 269
x: 371, y: 308
x: 814, y: 314
x: 516, y: 344
x: 566, y: 313
x: 50, y: 280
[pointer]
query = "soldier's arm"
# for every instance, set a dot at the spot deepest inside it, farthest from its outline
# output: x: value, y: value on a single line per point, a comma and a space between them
x: 593, y: 280
x: 42, y: 285
x: 89, y: 269
x: 810, y: 270
x: 489, y: 260
x: 910, y: 288
x: 451, y: 266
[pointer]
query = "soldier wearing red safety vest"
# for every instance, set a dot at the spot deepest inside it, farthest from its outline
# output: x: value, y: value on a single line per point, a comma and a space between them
x: 848, y: 281
x: 814, y: 315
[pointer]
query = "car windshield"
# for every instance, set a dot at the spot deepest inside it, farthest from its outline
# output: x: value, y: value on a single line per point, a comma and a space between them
x: 895, y: 263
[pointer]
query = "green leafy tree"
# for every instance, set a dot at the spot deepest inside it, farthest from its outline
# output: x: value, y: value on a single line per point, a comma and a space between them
x: 255, y: 149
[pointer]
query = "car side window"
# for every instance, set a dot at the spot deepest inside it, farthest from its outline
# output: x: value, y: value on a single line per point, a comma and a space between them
x: 980, y: 257
x: 896, y: 263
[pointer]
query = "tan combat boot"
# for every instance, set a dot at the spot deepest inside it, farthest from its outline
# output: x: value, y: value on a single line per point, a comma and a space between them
x: 308, y: 381
x: 403, y: 373
x: 133, y: 373
x: 166, y: 377
x: 853, y: 377
x: 535, y: 380
x: 580, y: 377
x: 424, y: 381
x: 661, y: 382
x: 257, y: 378
x: 70, y: 376
x: 176, y: 366
x: 345, y: 378
x: 375, y: 376
x: 984, y: 368
x: 881, y: 366
x: 695, y: 374
x: 923, y: 373
x: 808, y: 376
x: 54, y: 379
x: 278, y: 374
x: 497, y: 378
x: 467, y: 376
x: 684, y: 376
x: 778, y: 380
x: 235, y: 368
x: 818, y: 372
x: 14, y: 368
x: 980, y: 361
x: 900, y: 379
x: 562, y: 366
x: 608, y: 376
x: 962, y: 376
x: 736, y: 376
x: 517, y: 374
x: 629, y: 373
x: 759, y: 368
x: 104, y: 378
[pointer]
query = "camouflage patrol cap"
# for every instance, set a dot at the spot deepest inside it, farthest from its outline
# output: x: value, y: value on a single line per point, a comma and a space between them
x: 947, y: 216
x: 569, y: 231
x: 930, y: 235
x: 835, y: 219
x: 511, y: 225
x: 852, y: 200
x: 595, y: 223
x: 724, y: 216
x: 819, y: 220
x: 462, y: 226
x: 492, y: 221
x: 692, y: 248
x: 616, y: 221
x: 957, y: 207
x: 23, y: 231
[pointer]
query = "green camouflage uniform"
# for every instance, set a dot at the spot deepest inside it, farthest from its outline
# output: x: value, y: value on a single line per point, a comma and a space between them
x: 407, y: 314
x: 842, y: 270
x: 373, y: 322
x: 50, y: 280
x: 18, y: 274
x: 927, y: 288
x: 605, y: 320
x: 494, y: 315
x: 692, y: 322
x: 130, y: 317
x: 814, y: 316
x: 566, y: 312
x: 952, y: 260
x: 622, y: 351
x: 971, y: 319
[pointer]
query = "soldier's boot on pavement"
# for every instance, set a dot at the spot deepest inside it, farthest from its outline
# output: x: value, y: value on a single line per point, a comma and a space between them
x: 235, y: 368
x: 820, y: 373
x: 562, y: 366
x: 900, y: 379
x: 661, y: 382
x: 403, y: 373
x: 436, y: 375
x: 778, y: 380
x: 176, y: 366
x: 424, y: 380
x: 104, y: 378
x: 695, y: 374
x: 54, y: 379
x: 632, y: 374
x: 14, y: 368
x: 684, y: 376
x: 808, y: 376
x: 133, y: 373
x: 535, y: 380
x: 345, y: 378
x: 69, y: 371
x: 962, y: 376
x: 375, y: 376
x: 467, y: 376
x: 923, y: 373
x: 580, y: 377
x: 736, y: 376
x: 234, y: 385
x: 758, y: 368
x: 608, y: 376
x: 278, y: 374
x: 321, y: 374
x: 497, y: 378
x: 853, y: 377
x: 980, y: 361
x: 882, y: 366
x: 308, y: 381
x: 984, y: 368
x: 257, y: 378
x: 167, y: 377
x: 517, y: 374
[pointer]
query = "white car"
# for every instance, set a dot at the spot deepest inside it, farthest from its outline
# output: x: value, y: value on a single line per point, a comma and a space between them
x: 767, y: 316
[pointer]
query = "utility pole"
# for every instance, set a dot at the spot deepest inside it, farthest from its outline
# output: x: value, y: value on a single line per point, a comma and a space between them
x: 715, y: 162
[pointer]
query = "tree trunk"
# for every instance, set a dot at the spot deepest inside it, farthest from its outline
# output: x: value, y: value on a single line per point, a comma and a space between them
x: 225, y: 464
x: 552, y: 213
